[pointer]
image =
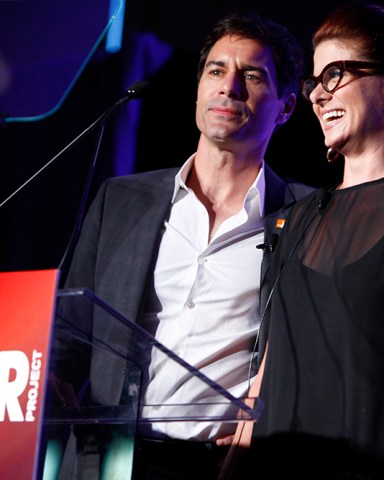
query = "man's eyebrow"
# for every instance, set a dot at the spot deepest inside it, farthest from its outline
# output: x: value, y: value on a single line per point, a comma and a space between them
x: 255, y: 68
x: 245, y: 68
x: 214, y: 63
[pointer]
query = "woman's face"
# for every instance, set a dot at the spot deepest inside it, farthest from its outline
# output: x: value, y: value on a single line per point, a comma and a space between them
x: 352, y: 117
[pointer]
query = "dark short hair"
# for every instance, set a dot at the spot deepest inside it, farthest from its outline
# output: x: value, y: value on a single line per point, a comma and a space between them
x: 360, y: 23
x: 286, y: 51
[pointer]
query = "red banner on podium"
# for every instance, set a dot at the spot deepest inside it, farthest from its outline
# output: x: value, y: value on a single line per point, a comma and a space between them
x: 27, y: 301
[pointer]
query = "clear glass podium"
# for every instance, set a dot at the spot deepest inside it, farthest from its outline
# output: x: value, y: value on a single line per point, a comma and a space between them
x: 95, y: 405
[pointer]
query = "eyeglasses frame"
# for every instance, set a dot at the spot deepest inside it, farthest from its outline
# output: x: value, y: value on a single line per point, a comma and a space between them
x: 351, y: 66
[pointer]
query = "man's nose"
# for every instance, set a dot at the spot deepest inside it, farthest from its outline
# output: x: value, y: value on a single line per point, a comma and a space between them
x: 233, y: 86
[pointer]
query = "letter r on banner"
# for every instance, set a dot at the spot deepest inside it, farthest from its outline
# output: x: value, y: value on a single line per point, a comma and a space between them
x: 11, y: 389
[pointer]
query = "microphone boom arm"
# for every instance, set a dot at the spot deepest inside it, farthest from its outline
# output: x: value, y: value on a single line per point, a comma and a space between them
x: 136, y: 90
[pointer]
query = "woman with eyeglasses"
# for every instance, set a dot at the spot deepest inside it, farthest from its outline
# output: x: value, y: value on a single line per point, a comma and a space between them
x: 323, y: 320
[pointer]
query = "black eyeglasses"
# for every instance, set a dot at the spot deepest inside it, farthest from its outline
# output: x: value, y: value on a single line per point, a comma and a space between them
x: 332, y: 75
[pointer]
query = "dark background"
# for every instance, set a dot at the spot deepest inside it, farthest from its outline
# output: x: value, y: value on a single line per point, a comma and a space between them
x: 43, y: 46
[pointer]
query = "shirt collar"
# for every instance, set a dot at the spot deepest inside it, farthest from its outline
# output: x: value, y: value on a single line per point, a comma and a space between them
x: 182, y: 175
x: 257, y: 186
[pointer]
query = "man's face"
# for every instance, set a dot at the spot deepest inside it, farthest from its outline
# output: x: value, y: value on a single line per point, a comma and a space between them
x: 237, y: 98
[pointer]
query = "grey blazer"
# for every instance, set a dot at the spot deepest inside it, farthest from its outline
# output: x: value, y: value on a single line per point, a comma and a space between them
x: 114, y: 258
x: 118, y: 246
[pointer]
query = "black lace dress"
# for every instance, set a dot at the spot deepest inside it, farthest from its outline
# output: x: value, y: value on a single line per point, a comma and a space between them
x: 323, y: 385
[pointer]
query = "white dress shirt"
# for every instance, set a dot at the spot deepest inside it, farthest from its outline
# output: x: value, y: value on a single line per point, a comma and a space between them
x: 204, y: 307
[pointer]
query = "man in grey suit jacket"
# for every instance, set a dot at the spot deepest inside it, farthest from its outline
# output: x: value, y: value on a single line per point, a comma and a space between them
x: 175, y: 250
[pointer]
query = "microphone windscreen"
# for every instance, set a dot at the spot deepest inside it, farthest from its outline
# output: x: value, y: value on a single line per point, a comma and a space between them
x: 272, y: 241
x: 323, y: 197
x: 137, y: 89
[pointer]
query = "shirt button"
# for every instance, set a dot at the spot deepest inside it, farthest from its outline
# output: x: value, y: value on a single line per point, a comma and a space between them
x: 201, y: 259
x: 191, y: 305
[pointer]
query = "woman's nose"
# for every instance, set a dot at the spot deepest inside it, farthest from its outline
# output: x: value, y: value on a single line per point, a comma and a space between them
x: 319, y: 94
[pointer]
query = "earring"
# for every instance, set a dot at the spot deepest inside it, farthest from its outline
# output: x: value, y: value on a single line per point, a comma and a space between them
x: 332, y: 155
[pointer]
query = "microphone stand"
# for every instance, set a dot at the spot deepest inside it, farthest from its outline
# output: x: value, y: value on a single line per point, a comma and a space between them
x: 136, y: 90
x: 63, y: 266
